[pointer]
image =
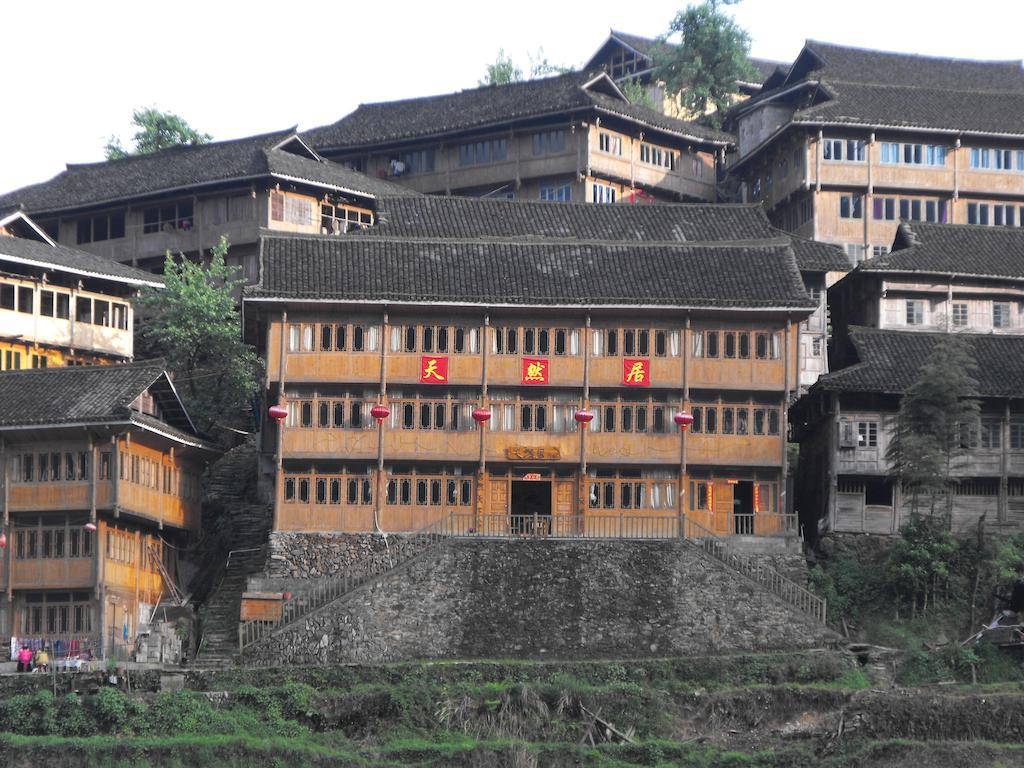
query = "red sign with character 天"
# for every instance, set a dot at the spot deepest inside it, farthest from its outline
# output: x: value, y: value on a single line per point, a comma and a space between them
x: 636, y: 372
x: 433, y: 370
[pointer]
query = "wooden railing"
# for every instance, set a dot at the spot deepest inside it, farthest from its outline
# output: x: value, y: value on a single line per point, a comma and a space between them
x: 782, y: 587
x: 469, y: 525
x: 325, y: 591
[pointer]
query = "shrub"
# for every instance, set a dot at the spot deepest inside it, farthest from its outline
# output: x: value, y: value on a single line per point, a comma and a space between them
x: 73, y: 718
x: 110, y: 708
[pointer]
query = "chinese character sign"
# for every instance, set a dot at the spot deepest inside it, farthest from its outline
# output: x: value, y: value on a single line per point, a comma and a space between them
x: 433, y: 370
x: 636, y: 373
x: 535, y: 370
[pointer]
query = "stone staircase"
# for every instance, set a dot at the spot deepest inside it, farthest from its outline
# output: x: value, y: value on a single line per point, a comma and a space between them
x: 242, y: 524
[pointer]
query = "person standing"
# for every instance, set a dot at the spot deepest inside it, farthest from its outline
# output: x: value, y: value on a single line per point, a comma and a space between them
x: 42, y: 660
x: 24, y: 659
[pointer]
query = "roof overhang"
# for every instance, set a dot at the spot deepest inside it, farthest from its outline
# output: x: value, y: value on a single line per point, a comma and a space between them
x: 83, y: 272
x: 24, y: 219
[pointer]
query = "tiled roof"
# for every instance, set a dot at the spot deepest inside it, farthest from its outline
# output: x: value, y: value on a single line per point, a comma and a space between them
x: 76, y: 393
x: 814, y: 256
x: 62, y: 258
x: 647, y: 45
x: 181, y: 168
x: 862, y: 65
x: 491, y: 106
x: 900, y: 106
x: 534, y: 273
x: 889, y: 362
x: 480, y: 218
x: 960, y: 249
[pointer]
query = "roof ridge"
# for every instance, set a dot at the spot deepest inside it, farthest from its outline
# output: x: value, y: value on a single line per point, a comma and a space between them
x: 808, y: 42
x: 579, y: 74
x: 826, y: 81
x: 775, y: 242
x: 157, y: 364
x: 179, y: 148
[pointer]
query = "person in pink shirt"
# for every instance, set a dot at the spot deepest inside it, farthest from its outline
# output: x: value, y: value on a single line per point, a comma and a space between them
x: 24, y: 659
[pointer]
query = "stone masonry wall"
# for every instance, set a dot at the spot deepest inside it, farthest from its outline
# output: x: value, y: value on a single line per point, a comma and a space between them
x: 537, y: 599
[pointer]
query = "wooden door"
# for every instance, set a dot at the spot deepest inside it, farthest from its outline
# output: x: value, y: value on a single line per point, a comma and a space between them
x: 496, y: 515
x: 722, y: 521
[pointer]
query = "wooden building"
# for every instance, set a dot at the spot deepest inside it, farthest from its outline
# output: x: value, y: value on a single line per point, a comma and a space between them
x: 60, y: 305
x: 530, y: 313
x: 849, y: 142
x: 101, y: 471
x: 887, y: 314
x: 628, y: 57
x: 184, y: 199
x: 573, y: 137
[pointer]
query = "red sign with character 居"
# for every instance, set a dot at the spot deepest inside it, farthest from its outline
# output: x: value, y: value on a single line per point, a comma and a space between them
x: 636, y: 372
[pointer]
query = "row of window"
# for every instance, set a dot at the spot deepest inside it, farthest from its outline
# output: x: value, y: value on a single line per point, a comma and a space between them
x: 702, y: 499
x: 57, y: 613
x: 481, y: 152
x: 987, y: 434
x: 73, y: 466
x: 509, y: 340
x: 50, y: 467
x: 908, y: 153
x: 887, y: 208
x: 52, y: 543
x: 995, y: 214
x: 652, y: 155
x: 557, y: 192
x: 631, y: 494
x: 22, y: 298
x: 358, y: 490
x: 735, y: 420
x: 988, y: 158
x: 1002, y: 313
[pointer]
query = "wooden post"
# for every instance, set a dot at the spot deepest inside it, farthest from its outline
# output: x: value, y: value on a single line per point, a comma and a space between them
x: 581, y: 486
x: 281, y: 364
x: 687, y: 340
x: 784, y: 418
x: 481, y: 476
x: 379, y: 485
x: 1004, y: 464
x: 115, y: 471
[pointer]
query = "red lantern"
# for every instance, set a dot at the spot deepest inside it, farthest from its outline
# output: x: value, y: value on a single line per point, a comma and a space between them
x: 3, y: 541
x: 481, y: 415
x: 278, y: 413
x: 583, y: 417
x: 286, y: 595
x: 380, y: 412
x: 90, y: 527
x: 683, y: 420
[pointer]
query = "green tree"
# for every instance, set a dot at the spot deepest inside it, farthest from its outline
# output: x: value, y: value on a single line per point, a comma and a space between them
x: 541, y: 67
x: 921, y: 560
x: 937, y: 420
x: 157, y: 130
x: 193, y: 323
x: 503, y: 71
x: 637, y: 94
x: 710, y: 57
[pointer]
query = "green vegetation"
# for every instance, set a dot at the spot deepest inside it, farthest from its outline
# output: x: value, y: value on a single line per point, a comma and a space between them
x: 157, y: 130
x: 708, y: 61
x: 194, y: 325
x: 504, y: 70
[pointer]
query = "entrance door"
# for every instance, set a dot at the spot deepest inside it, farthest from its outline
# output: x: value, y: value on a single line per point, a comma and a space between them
x: 531, y: 507
x: 743, y: 507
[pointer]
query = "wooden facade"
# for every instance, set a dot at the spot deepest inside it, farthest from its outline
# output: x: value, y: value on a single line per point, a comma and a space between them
x: 531, y: 456
x: 93, y: 515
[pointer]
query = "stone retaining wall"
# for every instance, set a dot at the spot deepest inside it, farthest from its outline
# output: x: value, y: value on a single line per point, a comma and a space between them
x: 538, y: 599
x: 313, y: 555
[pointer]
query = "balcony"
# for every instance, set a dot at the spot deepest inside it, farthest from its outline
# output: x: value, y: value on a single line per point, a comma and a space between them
x: 56, y: 497
x: 33, y: 328
x: 52, y: 573
x: 734, y: 450
x: 737, y: 374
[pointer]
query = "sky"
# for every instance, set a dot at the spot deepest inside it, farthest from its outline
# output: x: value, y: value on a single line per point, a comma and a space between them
x: 76, y: 70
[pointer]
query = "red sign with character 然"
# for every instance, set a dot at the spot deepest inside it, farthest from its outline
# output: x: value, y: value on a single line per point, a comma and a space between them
x: 433, y: 370
x: 636, y: 372
x: 535, y: 370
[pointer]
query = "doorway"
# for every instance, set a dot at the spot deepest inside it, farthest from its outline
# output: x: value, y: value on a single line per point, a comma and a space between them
x: 531, y: 507
x: 743, y: 507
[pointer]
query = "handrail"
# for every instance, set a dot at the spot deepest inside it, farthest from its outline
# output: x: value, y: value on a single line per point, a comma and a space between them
x: 328, y: 590
x: 780, y: 586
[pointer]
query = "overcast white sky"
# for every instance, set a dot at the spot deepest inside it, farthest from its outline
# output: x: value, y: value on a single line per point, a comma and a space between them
x: 75, y: 70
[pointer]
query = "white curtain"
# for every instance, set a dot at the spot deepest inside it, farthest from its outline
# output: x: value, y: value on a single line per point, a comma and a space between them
x: 673, y: 341
x: 698, y: 344
x: 574, y: 341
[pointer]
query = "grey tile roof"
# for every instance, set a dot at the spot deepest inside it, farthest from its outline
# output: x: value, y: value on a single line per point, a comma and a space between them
x: 64, y: 259
x: 954, y: 249
x: 490, y: 107
x: 900, y: 106
x: 862, y: 65
x: 889, y: 362
x: 480, y: 218
x: 182, y: 168
x: 814, y: 256
x: 535, y: 273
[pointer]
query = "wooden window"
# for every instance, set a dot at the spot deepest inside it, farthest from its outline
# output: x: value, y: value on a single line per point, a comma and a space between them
x: 851, y: 207
x: 609, y: 143
x: 170, y: 217
x: 915, y: 312
x: 549, y: 142
x: 700, y: 495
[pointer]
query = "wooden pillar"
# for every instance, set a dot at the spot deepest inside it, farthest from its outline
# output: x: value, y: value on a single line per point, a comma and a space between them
x: 581, y: 497
x: 784, y: 418
x: 378, y: 491
x: 5, y: 476
x: 1004, y: 464
x: 833, y: 463
x: 281, y: 365
x: 481, y: 475
x: 115, y: 471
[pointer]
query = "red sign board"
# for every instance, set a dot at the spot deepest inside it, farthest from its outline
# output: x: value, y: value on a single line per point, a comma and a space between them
x: 636, y: 372
x: 535, y: 370
x: 531, y: 476
x: 433, y: 370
